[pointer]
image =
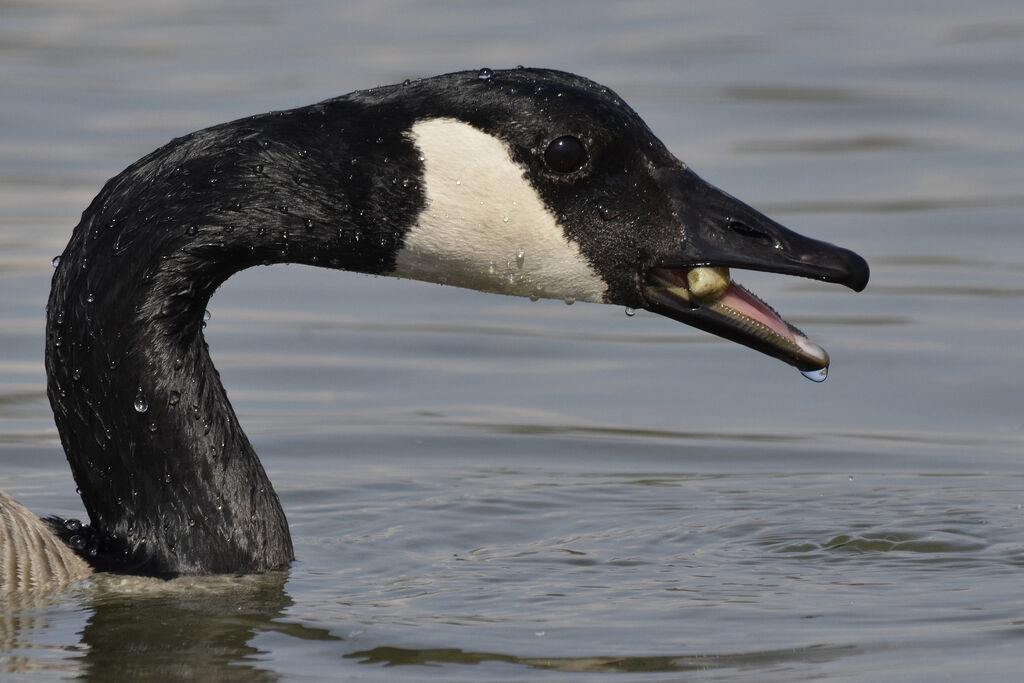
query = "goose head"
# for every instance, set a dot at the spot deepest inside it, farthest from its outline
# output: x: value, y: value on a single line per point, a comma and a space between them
x: 544, y: 184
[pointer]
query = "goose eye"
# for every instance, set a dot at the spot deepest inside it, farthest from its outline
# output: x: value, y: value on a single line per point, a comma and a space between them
x: 565, y: 154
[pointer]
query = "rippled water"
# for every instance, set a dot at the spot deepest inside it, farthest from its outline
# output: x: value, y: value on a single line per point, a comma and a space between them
x: 486, y: 488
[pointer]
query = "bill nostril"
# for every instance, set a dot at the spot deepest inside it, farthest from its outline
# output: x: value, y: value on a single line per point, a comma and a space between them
x: 752, y: 233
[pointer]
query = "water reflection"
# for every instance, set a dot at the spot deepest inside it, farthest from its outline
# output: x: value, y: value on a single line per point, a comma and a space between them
x: 816, y: 654
x: 148, y: 629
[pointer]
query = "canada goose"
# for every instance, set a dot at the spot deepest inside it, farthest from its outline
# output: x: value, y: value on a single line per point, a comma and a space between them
x: 528, y: 182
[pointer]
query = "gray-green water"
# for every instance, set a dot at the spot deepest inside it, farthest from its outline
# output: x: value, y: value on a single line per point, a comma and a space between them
x: 483, y: 488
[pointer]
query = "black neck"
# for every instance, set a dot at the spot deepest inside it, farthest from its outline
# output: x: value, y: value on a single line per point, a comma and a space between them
x: 168, y: 478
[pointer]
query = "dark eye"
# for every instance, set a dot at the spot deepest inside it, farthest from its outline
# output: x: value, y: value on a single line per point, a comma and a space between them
x: 565, y: 154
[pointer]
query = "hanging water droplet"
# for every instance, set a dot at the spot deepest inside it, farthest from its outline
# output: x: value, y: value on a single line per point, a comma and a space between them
x: 60, y: 317
x: 55, y: 261
x: 206, y: 316
x: 141, y: 404
x: 630, y: 312
x: 90, y: 297
x: 152, y: 426
x: 173, y: 398
x: 491, y: 268
x: 569, y: 300
x: 77, y: 374
x: 407, y: 82
x: 485, y: 74
x: 520, y: 258
x: 534, y: 297
x: 819, y: 375
x: 504, y: 219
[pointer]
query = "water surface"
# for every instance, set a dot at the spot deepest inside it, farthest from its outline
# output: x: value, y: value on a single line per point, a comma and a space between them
x: 483, y: 488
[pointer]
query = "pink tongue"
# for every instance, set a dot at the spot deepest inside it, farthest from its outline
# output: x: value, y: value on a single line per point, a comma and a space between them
x: 742, y: 301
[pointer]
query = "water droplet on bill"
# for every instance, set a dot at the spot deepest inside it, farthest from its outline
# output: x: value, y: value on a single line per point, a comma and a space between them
x: 819, y: 375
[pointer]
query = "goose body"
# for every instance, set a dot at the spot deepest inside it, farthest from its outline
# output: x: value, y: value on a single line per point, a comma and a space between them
x: 526, y: 182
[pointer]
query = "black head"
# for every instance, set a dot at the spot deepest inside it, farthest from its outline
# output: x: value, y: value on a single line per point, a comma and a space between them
x: 638, y: 217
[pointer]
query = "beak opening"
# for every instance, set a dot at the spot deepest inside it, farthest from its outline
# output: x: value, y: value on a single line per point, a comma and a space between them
x: 734, y: 313
x: 691, y: 282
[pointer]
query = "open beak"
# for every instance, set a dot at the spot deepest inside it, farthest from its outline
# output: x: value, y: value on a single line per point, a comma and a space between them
x: 691, y: 282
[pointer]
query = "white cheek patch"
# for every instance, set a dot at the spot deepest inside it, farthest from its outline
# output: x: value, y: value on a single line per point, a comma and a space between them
x: 484, y: 226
